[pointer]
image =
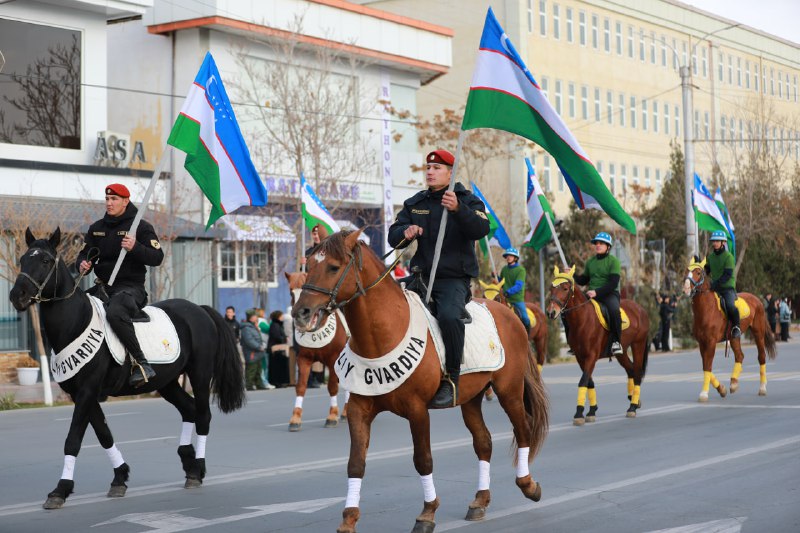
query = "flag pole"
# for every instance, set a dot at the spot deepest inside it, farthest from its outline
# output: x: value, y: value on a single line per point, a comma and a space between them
x: 302, y: 224
x: 555, y: 238
x: 491, y: 258
x: 442, y: 225
x: 140, y: 212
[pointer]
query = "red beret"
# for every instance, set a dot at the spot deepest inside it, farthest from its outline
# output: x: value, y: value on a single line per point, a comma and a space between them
x: 118, y: 189
x: 442, y: 157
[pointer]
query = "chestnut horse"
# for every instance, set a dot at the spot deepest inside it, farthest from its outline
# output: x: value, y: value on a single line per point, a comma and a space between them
x: 711, y: 326
x: 589, y: 339
x: 538, y: 332
x: 306, y: 356
x: 379, y: 316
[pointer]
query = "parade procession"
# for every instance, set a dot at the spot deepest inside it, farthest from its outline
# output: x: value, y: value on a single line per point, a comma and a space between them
x: 361, y: 245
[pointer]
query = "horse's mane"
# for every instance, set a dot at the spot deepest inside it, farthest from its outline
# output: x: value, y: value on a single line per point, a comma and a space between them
x: 334, y: 245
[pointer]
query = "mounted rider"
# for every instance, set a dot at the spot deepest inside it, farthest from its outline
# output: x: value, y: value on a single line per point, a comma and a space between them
x: 127, y: 297
x: 601, y: 274
x: 420, y: 219
x: 720, y: 265
x: 513, y: 274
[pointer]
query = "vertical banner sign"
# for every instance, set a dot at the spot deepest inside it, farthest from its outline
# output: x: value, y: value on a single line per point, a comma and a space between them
x: 386, y: 160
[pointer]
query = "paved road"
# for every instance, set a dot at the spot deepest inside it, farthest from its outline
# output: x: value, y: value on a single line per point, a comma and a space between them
x: 727, y: 466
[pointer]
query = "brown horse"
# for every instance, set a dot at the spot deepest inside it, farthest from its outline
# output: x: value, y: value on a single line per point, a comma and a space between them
x: 588, y: 340
x: 710, y: 327
x: 326, y: 354
x: 379, y: 316
x: 538, y: 332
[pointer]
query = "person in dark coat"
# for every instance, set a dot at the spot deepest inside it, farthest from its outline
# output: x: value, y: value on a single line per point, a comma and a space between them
x: 419, y: 220
x: 127, y: 296
x: 666, y: 309
x: 230, y: 319
x: 278, y: 351
x: 253, y: 349
x: 772, y: 312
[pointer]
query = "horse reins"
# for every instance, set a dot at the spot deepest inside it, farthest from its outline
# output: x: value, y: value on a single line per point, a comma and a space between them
x: 54, y: 269
x: 697, y: 286
x: 563, y: 305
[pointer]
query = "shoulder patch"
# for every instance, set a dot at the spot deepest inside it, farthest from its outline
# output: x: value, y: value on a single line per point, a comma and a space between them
x: 481, y: 214
x: 155, y: 244
x: 421, y: 211
x: 98, y: 233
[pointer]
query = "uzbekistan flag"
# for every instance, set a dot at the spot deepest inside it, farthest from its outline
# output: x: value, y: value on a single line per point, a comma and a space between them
x: 314, y: 211
x: 538, y: 208
x: 216, y: 154
x: 706, y: 211
x: 503, y: 95
x: 497, y: 235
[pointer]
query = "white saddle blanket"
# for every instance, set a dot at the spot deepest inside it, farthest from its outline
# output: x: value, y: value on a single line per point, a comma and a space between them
x: 158, y: 338
x: 324, y: 335
x: 381, y: 375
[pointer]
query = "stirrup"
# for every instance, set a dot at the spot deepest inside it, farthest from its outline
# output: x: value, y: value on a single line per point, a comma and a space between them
x: 736, y: 332
x: 136, y: 366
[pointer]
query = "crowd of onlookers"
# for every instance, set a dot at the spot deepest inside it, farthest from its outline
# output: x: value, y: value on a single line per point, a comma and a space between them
x: 779, y: 313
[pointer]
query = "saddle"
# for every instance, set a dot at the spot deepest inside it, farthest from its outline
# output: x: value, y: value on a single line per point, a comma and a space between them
x: 602, y: 315
x: 416, y: 284
x: 740, y: 303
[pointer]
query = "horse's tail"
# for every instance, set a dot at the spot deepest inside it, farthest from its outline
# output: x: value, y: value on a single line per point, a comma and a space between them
x: 644, y: 358
x: 537, y: 408
x: 769, y: 342
x: 228, y: 383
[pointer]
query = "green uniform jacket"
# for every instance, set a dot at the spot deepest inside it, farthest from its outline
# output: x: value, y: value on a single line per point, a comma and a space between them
x: 512, y: 275
x: 598, y: 271
x: 718, y: 264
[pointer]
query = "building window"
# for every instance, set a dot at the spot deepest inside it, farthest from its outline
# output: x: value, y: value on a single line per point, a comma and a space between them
x: 570, y: 37
x: 663, y: 51
x: 641, y: 45
x: 787, y: 87
x: 610, y: 107
x: 560, y: 181
x: 595, y: 37
x: 633, y: 112
x: 696, y: 129
x: 543, y: 18
x: 647, y: 182
x: 635, y: 171
x: 666, y: 119
x: 677, y: 122
x: 544, y: 87
x: 611, y: 173
x: 722, y: 123
x: 227, y: 261
x: 623, y: 179
x: 41, y: 85
x: 721, y: 67
x: 694, y: 61
x: 675, y: 54
x: 730, y: 69
x: 704, y: 54
x: 747, y: 74
x: 621, y: 109
x: 755, y: 76
x: 597, y: 104
x: 764, y: 80
x: 644, y: 115
x: 547, y: 173
x: 607, y: 35
x: 705, y: 124
x: 556, y: 22
x: 585, y: 102
x: 530, y: 16
x: 582, y: 27
x: 732, y: 131
x: 631, y: 53
x: 653, y: 47
x: 658, y: 181
x: 655, y: 116
x: 683, y: 52
x: 571, y: 89
x: 618, y: 37
x: 558, y: 96
x: 772, y: 82
x: 780, y: 85
x: 739, y: 71
x: 248, y: 262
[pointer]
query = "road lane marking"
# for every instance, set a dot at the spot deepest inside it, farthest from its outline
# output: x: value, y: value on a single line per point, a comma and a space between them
x: 622, y: 484
x: 728, y: 525
x: 151, y: 439
x: 107, y: 416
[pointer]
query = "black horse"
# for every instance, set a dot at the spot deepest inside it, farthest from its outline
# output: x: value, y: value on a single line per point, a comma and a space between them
x: 208, y: 355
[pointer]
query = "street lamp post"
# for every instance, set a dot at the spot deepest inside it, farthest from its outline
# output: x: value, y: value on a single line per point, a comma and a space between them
x: 688, y: 154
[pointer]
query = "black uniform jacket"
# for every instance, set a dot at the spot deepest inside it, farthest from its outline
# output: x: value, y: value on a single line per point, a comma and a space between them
x: 464, y: 227
x: 106, y: 236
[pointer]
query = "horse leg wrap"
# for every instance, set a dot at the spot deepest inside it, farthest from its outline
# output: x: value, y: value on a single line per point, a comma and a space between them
x: 630, y: 387
x: 428, y: 490
x: 353, y: 492
x: 592, y: 392
x: 637, y: 392
x: 581, y: 396
x: 522, y: 462
x: 706, y: 381
x: 484, y: 469
x: 737, y: 369
x: 714, y: 380
x: 187, y: 428
x: 114, y: 456
x: 69, y: 467
x: 762, y: 370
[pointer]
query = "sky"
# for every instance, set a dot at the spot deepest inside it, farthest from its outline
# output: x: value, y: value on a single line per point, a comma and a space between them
x: 778, y: 17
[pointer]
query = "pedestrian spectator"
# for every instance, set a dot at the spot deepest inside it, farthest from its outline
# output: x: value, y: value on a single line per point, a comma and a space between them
x: 230, y: 319
x: 772, y: 311
x: 666, y: 309
x: 785, y: 316
x: 317, y: 234
x: 263, y: 327
x: 278, y: 351
x: 253, y: 347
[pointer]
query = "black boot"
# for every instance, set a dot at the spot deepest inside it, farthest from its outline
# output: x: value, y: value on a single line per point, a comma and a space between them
x: 447, y: 395
x: 141, y: 371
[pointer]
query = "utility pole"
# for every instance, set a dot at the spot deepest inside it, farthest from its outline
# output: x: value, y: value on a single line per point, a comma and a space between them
x: 688, y: 154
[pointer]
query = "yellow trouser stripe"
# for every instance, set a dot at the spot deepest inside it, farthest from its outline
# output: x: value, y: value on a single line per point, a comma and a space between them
x: 592, y: 397
x: 706, y: 380
x: 637, y: 391
x: 763, y: 371
x: 581, y: 396
x: 737, y: 369
x: 630, y: 386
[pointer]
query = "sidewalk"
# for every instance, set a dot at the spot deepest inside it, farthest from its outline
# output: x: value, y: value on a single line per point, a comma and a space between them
x: 32, y: 393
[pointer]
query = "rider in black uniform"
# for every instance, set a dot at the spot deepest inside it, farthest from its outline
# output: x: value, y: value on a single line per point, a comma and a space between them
x: 420, y: 219
x: 127, y: 296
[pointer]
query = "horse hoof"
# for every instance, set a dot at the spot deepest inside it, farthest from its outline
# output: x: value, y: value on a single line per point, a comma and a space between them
x: 722, y: 390
x: 703, y: 398
x: 54, y: 502
x: 734, y: 385
x: 117, y: 491
x: 590, y: 419
x: 192, y: 483
x: 331, y: 423
x: 422, y: 526
x: 762, y: 391
x: 294, y: 427
x: 578, y: 421
x: 631, y: 414
x: 475, y: 513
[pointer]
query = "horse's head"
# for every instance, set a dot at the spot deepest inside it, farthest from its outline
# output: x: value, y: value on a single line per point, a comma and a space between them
x: 38, y: 270
x: 492, y: 291
x: 561, y: 291
x: 296, y: 281
x: 696, y: 278
x: 334, y: 273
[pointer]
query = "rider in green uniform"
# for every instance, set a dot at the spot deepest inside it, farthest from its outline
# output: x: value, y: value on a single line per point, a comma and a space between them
x: 514, y: 276
x: 601, y: 275
x: 720, y: 265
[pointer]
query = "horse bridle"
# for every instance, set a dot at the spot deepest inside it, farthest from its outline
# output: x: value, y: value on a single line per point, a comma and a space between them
x: 355, y: 260
x: 54, y: 269
x: 563, y: 305
x: 696, y: 285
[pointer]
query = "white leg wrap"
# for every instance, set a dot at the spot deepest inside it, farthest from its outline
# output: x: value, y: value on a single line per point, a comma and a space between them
x: 114, y: 456
x: 353, y: 492
x: 200, y: 451
x: 186, y: 433
x: 69, y: 467
x: 334, y: 401
x: 428, y: 490
x: 346, y: 396
x: 298, y: 402
x: 522, y: 462
x: 483, y: 475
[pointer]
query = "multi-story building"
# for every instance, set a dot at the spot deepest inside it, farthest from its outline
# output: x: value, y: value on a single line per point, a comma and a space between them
x: 611, y: 70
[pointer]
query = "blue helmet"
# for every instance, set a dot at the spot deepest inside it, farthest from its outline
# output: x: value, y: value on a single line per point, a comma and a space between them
x: 718, y: 235
x: 511, y: 251
x: 603, y: 237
